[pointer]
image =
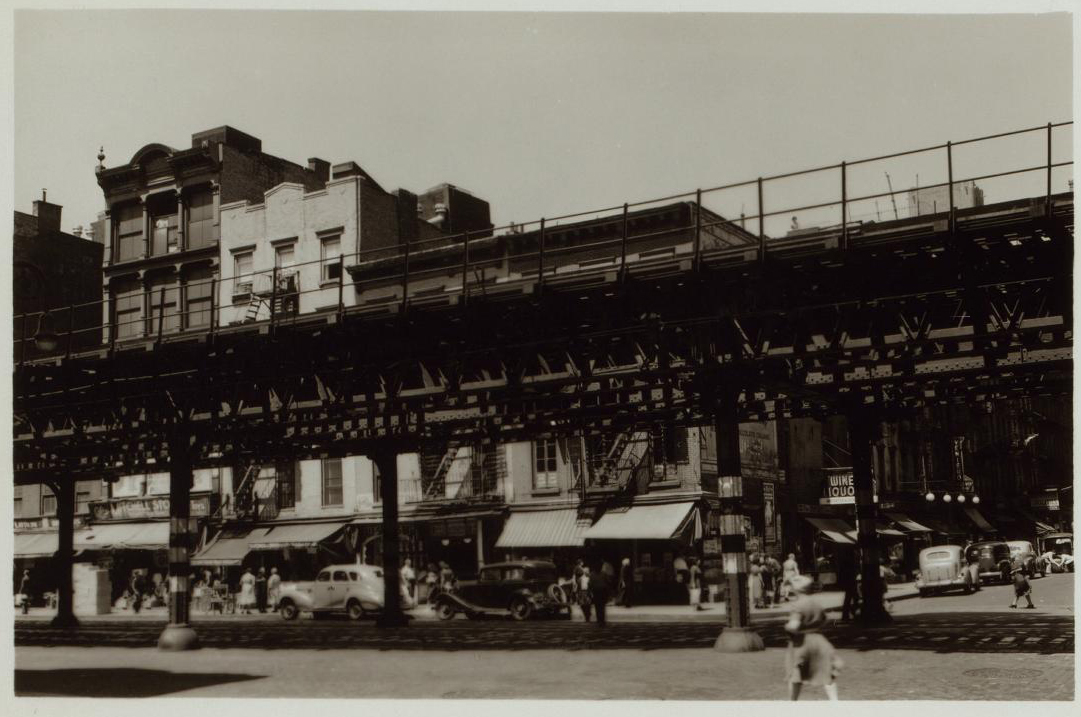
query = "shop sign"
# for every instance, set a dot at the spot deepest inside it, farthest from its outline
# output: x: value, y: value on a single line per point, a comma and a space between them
x: 758, y: 450
x: 1047, y: 502
x: 839, y: 487
x: 140, y: 508
x: 769, y: 512
x: 48, y: 521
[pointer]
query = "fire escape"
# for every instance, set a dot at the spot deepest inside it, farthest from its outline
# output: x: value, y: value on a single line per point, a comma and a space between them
x: 462, y: 473
x: 255, y: 497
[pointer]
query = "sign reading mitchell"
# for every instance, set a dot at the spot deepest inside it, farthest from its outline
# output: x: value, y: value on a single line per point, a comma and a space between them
x: 839, y: 487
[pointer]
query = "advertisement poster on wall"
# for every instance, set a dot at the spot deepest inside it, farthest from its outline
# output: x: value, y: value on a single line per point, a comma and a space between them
x: 769, y: 513
x: 758, y: 450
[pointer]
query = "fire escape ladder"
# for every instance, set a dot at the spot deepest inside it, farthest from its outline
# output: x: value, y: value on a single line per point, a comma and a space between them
x: 437, y: 481
x: 244, y: 493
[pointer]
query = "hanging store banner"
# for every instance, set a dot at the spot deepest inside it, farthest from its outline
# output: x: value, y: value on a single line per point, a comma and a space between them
x: 839, y: 487
x: 769, y: 513
x: 140, y: 508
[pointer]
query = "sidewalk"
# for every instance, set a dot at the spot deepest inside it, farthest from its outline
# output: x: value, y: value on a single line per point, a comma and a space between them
x: 715, y: 612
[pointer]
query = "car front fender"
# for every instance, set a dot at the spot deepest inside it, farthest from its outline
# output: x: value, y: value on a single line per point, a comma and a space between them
x: 302, y: 600
x: 458, y: 602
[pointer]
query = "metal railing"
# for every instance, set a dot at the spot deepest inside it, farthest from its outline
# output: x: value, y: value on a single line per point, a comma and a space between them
x: 698, y: 226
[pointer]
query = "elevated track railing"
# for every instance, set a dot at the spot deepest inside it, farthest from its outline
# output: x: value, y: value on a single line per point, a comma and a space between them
x: 834, y: 207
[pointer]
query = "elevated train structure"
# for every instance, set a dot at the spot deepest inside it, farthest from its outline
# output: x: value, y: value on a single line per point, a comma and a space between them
x: 667, y: 314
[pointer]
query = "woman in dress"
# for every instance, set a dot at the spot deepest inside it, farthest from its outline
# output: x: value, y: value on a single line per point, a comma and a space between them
x: 755, y: 580
x: 246, y: 600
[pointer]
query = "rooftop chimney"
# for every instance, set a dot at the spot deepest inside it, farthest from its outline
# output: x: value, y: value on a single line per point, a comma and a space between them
x: 48, y: 214
x: 320, y: 167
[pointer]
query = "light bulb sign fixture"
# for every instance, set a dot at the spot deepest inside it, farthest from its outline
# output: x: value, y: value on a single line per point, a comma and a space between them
x: 946, y: 498
x: 930, y: 497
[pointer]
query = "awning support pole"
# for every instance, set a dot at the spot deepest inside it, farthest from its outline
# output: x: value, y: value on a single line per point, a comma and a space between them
x: 864, y: 426
x: 386, y: 462
x: 738, y: 636
x: 65, y: 552
x: 178, y: 634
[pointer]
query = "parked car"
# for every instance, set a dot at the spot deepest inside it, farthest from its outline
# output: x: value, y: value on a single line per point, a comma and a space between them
x: 942, y: 568
x: 1057, y: 549
x: 356, y: 590
x: 520, y: 589
x: 1023, y: 555
x: 993, y: 558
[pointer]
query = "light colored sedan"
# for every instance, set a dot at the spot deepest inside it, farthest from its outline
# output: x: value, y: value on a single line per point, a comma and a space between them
x: 356, y: 590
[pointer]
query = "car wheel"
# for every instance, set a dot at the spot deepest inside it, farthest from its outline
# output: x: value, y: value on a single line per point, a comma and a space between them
x: 354, y: 610
x: 288, y: 610
x: 521, y: 609
x: 444, y: 610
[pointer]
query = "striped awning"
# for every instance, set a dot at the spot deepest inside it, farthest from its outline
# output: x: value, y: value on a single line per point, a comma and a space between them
x: 36, y: 545
x: 907, y: 523
x: 544, y: 529
x: 645, y: 522
x: 227, y: 549
x: 121, y: 536
x: 299, y: 535
x: 835, y: 529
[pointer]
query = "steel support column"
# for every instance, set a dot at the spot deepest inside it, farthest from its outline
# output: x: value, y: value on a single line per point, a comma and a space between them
x: 864, y: 427
x: 65, y: 553
x: 738, y: 635
x: 386, y: 462
x: 178, y: 634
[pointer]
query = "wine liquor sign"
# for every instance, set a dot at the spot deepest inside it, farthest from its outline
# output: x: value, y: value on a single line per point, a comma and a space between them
x: 839, y: 487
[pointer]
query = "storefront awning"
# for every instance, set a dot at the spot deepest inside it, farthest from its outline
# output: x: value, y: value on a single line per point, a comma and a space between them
x: 645, y: 522
x: 981, y: 522
x: 300, y: 535
x: 124, y: 536
x: 907, y: 523
x: 883, y: 528
x: 229, y: 550
x: 543, y: 529
x: 36, y: 545
x: 944, y: 528
x: 835, y: 529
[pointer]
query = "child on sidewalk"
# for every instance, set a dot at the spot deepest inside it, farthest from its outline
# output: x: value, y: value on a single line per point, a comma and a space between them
x: 811, y: 658
x: 1021, y: 588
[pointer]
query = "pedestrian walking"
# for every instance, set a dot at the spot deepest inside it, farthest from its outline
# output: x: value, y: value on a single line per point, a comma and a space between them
x: 274, y: 588
x: 767, y: 582
x: 626, y: 583
x: 600, y: 590
x: 138, y: 587
x: 778, y: 577
x: 694, y: 583
x: 447, y: 579
x: 755, y: 581
x: 1021, y: 589
x: 585, y: 597
x: 24, y: 592
x: 246, y: 600
x: 846, y: 578
x: 810, y: 658
x: 431, y: 582
x: 409, y: 577
x: 261, y: 590
x: 789, y: 570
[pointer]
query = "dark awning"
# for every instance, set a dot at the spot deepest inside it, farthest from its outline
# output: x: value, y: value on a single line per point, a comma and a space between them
x: 835, y: 529
x: 230, y: 550
x: 976, y: 517
x: 907, y: 523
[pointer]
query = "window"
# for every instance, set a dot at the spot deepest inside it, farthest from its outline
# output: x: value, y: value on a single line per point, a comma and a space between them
x: 242, y: 273
x: 353, y: 576
x: 82, y: 502
x: 332, y: 481
x: 201, y: 230
x: 286, y: 483
x: 167, y: 317
x: 544, y: 464
x: 284, y: 256
x: 128, y: 232
x: 377, y: 484
x: 164, y: 223
x: 18, y: 507
x: 128, y: 309
x: 330, y: 257
x: 323, y: 577
x: 48, y: 504
x: 670, y: 446
x: 340, y: 576
x: 198, y: 300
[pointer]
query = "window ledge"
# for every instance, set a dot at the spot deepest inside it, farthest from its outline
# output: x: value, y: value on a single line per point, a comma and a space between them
x: 665, y: 483
x: 546, y: 491
x: 327, y: 283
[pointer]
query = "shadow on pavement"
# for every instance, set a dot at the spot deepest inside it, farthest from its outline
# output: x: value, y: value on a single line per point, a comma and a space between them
x: 1018, y: 632
x: 115, y: 682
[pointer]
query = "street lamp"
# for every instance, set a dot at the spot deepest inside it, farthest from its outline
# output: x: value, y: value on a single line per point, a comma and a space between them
x: 976, y: 499
x: 930, y: 497
x: 960, y: 499
x: 946, y: 498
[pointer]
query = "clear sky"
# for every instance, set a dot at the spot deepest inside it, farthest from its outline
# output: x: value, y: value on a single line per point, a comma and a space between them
x: 540, y: 114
